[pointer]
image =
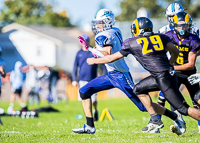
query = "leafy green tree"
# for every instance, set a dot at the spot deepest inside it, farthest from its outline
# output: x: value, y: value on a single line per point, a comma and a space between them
x: 130, y: 7
x: 33, y: 12
x: 156, y: 8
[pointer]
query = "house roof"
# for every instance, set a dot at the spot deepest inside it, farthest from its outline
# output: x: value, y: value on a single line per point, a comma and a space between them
x: 58, y: 35
x: 66, y: 35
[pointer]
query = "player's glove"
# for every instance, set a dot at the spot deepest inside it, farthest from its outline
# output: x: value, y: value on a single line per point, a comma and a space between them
x: 83, y: 42
x: 194, y: 79
x: 93, y: 53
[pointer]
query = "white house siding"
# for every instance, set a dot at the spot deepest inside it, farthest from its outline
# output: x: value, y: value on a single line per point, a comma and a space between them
x: 66, y: 56
x: 34, y: 49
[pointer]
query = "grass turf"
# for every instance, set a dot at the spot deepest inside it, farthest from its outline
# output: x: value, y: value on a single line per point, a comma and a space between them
x: 56, y: 127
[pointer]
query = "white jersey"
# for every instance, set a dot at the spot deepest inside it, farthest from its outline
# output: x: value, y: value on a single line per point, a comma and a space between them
x: 113, y: 38
x: 194, y: 30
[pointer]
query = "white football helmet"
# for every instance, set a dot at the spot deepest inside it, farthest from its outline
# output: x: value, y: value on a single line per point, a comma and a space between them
x: 173, y: 9
x: 106, y: 16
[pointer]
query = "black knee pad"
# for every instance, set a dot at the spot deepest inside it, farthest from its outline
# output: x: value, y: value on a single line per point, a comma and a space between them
x: 138, y: 90
x: 196, y: 97
x: 83, y: 96
x: 135, y: 89
x: 183, y: 109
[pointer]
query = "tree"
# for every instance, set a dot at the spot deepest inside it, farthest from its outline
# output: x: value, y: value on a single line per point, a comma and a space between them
x: 156, y: 8
x: 130, y: 7
x: 33, y: 12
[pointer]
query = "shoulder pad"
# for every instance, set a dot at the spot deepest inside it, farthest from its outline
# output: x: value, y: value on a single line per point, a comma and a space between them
x: 101, y: 40
x: 164, y: 29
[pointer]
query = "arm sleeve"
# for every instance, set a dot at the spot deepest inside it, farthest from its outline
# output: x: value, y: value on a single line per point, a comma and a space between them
x: 124, y: 52
x: 195, y: 43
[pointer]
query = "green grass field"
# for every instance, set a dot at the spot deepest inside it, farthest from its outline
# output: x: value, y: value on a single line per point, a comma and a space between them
x: 56, y: 127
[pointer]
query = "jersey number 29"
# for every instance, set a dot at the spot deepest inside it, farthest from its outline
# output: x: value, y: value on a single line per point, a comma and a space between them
x: 155, y: 40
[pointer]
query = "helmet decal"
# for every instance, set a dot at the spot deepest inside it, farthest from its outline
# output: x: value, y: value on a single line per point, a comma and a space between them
x: 173, y: 9
x: 187, y: 18
x: 142, y: 26
x: 184, y: 20
x: 104, y: 16
x: 107, y: 13
x: 137, y: 28
x: 176, y: 19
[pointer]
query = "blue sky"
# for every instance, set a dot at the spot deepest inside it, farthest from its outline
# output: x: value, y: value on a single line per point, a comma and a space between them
x: 82, y: 11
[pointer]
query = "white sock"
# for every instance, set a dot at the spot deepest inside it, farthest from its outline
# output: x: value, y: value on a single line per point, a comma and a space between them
x: 22, y: 105
x: 11, y: 104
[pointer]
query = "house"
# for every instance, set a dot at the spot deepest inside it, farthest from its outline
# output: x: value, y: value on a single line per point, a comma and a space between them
x: 39, y: 45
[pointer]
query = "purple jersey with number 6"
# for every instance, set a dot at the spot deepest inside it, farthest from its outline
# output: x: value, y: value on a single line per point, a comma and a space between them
x: 190, y: 44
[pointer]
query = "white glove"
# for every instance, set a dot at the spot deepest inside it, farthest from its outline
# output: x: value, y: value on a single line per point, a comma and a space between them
x: 95, y: 52
x: 194, y: 79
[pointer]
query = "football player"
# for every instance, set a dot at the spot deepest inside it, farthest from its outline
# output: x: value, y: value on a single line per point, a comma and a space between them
x: 108, y: 40
x: 171, y: 10
x: 150, y: 51
x: 188, y: 45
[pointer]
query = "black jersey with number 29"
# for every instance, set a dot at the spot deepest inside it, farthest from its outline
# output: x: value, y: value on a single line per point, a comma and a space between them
x: 149, y: 51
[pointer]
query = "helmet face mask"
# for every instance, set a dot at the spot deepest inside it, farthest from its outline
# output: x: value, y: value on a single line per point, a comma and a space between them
x: 181, y: 28
x: 170, y: 18
x: 104, y: 17
x: 182, y: 24
x: 173, y: 9
x: 135, y: 28
x: 98, y: 26
x: 142, y: 26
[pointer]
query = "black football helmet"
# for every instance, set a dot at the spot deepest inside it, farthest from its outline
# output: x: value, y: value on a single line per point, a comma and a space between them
x: 142, y: 26
x: 184, y: 20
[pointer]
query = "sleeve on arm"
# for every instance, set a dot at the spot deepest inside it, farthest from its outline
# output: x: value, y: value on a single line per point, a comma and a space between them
x: 124, y: 52
x: 195, y: 44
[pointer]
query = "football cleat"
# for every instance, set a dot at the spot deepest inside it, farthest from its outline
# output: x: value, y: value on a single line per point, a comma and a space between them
x: 153, y: 125
x: 180, y: 122
x: 175, y: 129
x: 85, y: 130
x: 155, y: 131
